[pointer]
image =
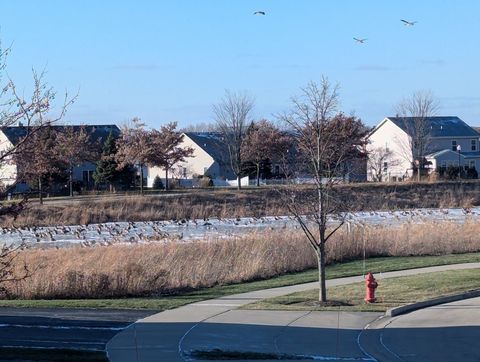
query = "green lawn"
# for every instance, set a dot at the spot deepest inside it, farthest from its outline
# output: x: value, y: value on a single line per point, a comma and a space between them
x: 340, y: 270
x: 391, y: 292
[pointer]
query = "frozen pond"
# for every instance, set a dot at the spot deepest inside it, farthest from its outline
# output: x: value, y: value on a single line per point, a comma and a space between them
x: 188, y: 230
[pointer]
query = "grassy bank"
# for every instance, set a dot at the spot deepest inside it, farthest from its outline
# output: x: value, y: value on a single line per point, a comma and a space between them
x: 145, y: 270
x: 391, y: 292
x: 198, y: 204
x: 339, y: 270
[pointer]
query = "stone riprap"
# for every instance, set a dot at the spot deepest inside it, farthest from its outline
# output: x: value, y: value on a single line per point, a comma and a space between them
x: 206, y: 229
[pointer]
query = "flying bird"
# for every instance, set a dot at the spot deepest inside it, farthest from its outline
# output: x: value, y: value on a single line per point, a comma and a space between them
x: 360, y: 40
x: 259, y: 13
x: 408, y: 23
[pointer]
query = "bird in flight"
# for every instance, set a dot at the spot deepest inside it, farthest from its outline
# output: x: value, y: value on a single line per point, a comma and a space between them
x: 259, y: 13
x: 408, y: 23
x: 360, y: 40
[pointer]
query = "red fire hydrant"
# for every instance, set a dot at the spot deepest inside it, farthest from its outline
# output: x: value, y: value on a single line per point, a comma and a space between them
x: 371, y: 284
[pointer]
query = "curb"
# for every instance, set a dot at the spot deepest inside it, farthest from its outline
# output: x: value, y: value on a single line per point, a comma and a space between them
x: 393, y: 312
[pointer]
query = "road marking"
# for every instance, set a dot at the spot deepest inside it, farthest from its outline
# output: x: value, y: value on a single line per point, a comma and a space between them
x: 386, y: 347
x: 32, y: 326
x: 56, y: 341
x: 215, y: 305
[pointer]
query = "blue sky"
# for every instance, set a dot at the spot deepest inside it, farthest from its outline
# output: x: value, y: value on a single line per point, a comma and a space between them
x: 171, y: 60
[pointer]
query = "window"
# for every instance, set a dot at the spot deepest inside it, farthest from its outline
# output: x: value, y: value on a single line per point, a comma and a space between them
x: 184, y: 172
x: 443, y: 164
x: 385, y: 166
x: 277, y: 170
x: 471, y: 164
x: 473, y: 144
x: 454, y: 145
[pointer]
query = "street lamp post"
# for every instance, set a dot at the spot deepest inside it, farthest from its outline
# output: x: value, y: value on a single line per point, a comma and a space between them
x: 459, y: 148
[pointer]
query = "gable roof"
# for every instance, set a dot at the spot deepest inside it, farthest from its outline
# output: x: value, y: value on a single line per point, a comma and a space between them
x: 96, y: 132
x: 443, y: 152
x: 212, y: 143
x: 449, y: 126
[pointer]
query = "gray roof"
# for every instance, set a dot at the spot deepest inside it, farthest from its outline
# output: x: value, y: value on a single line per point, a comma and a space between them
x: 97, y: 132
x: 212, y: 143
x: 450, y: 126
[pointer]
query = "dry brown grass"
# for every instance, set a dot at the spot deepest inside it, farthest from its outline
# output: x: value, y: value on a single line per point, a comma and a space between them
x: 408, y: 239
x: 152, y: 269
x: 137, y: 270
x: 201, y: 204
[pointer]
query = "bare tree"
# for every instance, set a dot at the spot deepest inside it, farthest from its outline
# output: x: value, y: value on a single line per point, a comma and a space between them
x: 134, y: 147
x: 38, y: 158
x: 232, y: 117
x: 414, y: 111
x: 264, y: 141
x: 167, y: 149
x: 74, y: 148
x: 199, y: 127
x: 8, y: 273
x: 35, y: 112
x: 379, y: 160
x: 326, y: 141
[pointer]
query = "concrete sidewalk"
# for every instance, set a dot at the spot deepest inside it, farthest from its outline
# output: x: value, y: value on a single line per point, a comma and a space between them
x: 446, y: 332
x: 172, y: 334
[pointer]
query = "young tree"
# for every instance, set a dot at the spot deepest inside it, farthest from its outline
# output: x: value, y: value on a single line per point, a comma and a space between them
x: 34, y: 110
x: 379, y: 159
x: 74, y: 148
x: 134, y: 147
x: 108, y: 170
x: 326, y: 140
x: 415, y: 111
x: 39, y: 157
x: 166, y: 149
x: 264, y: 142
x: 232, y: 115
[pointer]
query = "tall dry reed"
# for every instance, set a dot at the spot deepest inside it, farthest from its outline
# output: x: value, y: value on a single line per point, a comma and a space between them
x: 162, y: 268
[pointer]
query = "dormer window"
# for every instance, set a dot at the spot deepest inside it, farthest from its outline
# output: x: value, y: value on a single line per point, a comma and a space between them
x: 454, y: 145
x: 473, y: 144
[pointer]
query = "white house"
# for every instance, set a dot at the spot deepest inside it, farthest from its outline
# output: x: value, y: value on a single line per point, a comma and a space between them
x: 210, y: 158
x: 10, y: 136
x: 450, y: 142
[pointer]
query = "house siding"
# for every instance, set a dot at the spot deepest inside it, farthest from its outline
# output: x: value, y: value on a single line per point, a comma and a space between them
x: 8, y: 170
x: 389, y: 135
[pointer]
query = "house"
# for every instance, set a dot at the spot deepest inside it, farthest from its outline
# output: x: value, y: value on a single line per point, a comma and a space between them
x: 449, y: 141
x: 10, y: 136
x: 210, y: 158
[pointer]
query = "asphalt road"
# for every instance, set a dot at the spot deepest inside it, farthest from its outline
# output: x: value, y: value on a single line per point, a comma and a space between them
x: 88, y: 329
x: 448, y: 332
x: 442, y: 333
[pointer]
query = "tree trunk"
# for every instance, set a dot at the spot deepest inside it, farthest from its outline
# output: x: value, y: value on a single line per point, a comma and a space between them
x: 141, y: 179
x: 322, y: 295
x: 166, y: 178
x: 239, y: 182
x: 258, y: 174
x: 71, y: 181
x: 40, y: 196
